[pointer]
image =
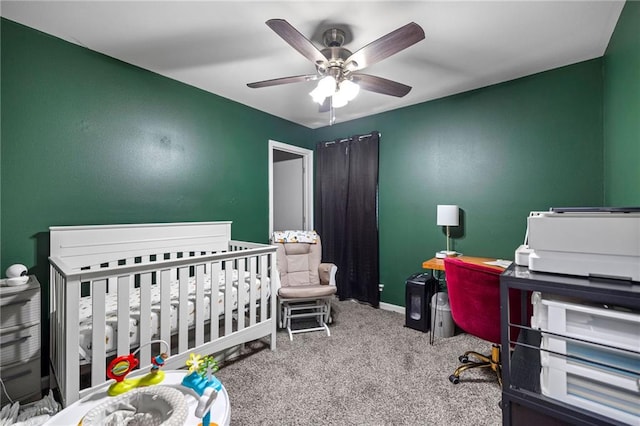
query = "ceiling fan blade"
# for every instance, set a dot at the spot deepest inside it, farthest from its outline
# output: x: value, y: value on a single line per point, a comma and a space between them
x: 297, y: 40
x: 283, y: 80
x: 381, y: 85
x: 385, y: 46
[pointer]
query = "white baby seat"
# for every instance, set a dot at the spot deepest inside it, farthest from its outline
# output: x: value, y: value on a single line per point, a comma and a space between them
x: 148, y: 406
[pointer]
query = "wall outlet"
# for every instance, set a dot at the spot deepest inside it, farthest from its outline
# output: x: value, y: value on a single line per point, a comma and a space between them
x: 380, y: 287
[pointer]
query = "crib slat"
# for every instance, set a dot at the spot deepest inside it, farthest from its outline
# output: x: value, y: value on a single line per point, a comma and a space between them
x: 124, y: 283
x: 54, y: 279
x: 62, y: 334
x: 242, y: 302
x: 273, y: 287
x: 263, y: 287
x: 98, y: 352
x: 144, y: 324
x: 165, y: 305
x: 228, y: 299
x: 252, y: 290
x: 72, y: 320
x: 215, y: 295
x: 67, y: 368
x: 199, y: 305
x: 183, y: 312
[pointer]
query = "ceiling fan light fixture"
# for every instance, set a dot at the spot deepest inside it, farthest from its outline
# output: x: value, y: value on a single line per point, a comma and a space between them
x: 339, y: 100
x: 326, y: 87
x: 317, y: 96
x: 349, y: 90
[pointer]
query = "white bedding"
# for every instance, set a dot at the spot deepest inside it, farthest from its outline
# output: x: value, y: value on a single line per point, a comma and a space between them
x: 86, y: 324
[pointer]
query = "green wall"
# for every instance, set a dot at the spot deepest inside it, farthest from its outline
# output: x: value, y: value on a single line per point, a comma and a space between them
x: 87, y: 139
x: 498, y: 152
x: 622, y: 111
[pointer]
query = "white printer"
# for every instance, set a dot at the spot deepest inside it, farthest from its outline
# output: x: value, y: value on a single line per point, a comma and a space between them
x: 597, y: 242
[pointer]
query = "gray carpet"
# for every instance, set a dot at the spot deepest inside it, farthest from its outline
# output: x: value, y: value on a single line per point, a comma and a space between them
x: 371, y: 371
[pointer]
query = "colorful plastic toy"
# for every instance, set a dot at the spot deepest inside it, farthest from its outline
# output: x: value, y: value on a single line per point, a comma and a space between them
x: 201, y: 380
x: 121, y: 366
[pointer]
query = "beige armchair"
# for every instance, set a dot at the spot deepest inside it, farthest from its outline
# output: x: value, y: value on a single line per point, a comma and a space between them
x: 306, y: 285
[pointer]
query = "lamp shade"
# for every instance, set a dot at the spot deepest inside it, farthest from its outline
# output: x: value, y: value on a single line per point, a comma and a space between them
x: 448, y: 215
x: 326, y: 87
x: 339, y: 99
x: 349, y: 89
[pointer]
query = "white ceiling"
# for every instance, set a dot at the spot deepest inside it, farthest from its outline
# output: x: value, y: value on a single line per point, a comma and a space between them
x: 220, y: 46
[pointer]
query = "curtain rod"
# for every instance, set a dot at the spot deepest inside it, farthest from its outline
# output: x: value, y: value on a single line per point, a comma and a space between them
x: 368, y: 135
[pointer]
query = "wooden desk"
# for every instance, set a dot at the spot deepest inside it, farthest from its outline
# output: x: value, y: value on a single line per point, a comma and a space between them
x: 438, y: 264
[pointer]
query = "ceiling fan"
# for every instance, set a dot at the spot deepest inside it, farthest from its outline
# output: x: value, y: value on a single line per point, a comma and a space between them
x: 338, y: 70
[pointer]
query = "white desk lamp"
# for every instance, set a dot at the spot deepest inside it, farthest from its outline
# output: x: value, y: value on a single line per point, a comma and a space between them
x: 448, y: 215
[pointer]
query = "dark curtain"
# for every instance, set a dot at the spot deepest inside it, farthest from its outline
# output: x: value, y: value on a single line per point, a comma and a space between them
x: 347, y: 213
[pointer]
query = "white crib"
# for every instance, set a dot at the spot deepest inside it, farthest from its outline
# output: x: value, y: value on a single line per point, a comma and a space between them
x: 157, y: 281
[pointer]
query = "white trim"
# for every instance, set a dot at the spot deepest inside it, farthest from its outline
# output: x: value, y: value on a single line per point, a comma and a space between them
x: 393, y: 308
x: 307, y: 159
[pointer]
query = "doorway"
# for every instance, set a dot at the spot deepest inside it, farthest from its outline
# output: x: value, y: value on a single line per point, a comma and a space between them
x: 290, y: 187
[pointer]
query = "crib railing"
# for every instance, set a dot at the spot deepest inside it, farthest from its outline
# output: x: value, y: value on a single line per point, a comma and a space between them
x: 253, y: 318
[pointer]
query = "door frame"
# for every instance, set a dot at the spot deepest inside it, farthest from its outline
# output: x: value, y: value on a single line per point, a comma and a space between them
x: 307, y: 176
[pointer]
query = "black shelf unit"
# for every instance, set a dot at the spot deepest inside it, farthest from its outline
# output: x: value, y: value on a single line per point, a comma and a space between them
x: 522, y: 402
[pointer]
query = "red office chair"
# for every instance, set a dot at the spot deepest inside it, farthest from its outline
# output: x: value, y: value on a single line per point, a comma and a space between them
x: 474, y: 297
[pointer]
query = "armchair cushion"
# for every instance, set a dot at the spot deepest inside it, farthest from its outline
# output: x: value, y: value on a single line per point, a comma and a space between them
x: 307, y: 291
x: 297, y: 264
x: 296, y: 248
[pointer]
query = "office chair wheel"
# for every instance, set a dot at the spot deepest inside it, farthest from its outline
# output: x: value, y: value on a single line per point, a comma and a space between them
x: 463, y: 359
x: 453, y: 379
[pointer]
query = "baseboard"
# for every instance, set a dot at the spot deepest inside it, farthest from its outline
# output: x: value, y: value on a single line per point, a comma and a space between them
x: 392, y: 308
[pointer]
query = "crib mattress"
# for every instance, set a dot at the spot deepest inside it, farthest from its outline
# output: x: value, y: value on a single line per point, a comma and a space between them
x: 111, y: 325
